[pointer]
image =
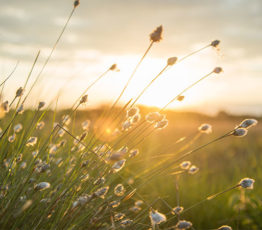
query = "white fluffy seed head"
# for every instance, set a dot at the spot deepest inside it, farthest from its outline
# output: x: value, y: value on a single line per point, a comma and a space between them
x: 240, y: 132
x: 215, y: 43
x: 18, y: 128
x: 76, y: 3
x: 171, y: 61
x: 185, y: 165
x: 205, y: 128
x: 177, y: 210
x: 183, y: 224
x: 156, y: 35
x: 247, y: 183
x: 248, y: 123
x: 132, y: 112
x: 31, y: 141
x: 224, y: 227
x: 101, y: 192
x: 119, y: 190
x: 42, y: 186
x: 20, y: 109
x: 161, y: 124
x: 118, y: 165
x: 41, y: 104
x: 133, y: 153
x: 156, y: 217
x: 19, y: 92
x: 218, y: 70
x: 193, y: 170
x: 154, y: 117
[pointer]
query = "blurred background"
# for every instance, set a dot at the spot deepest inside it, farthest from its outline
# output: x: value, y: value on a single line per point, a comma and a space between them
x: 105, y: 32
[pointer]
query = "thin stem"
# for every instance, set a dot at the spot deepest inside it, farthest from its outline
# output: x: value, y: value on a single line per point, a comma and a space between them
x: 10, y: 74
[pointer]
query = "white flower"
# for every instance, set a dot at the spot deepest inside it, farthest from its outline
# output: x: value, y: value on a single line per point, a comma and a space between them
x: 247, y: 183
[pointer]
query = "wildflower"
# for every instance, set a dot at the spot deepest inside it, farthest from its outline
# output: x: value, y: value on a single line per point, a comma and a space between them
x: 248, y: 123
x: 135, y: 209
x: 177, y: 210
x: 119, y: 216
x: 156, y: 35
x: 126, y: 125
x: 171, y: 61
x: 139, y: 203
x: 42, y: 186
x: 119, y: 190
x: 156, y: 217
x: 18, y: 128
x: 247, y: 183
x: 240, y: 132
x: 5, y: 106
x: 193, y: 170
x: 133, y: 153
x: 126, y: 222
x: 83, y: 99
x: 11, y: 139
x: 224, y: 227
x: 40, y: 125
x: 185, y: 165
x: 41, y: 105
x: 135, y: 118
x: 217, y: 70
x: 19, y: 92
x: 132, y: 112
x: 114, y: 204
x: 215, y: 43
x: 85, y: 125
x: 205, y: 128
x: 180, y: 98
x: 31, y: 141
x: 118, y: 165
x: 101, y: 192
x: 76, y: 3
x: 183, y: 224
x: 20, y: 109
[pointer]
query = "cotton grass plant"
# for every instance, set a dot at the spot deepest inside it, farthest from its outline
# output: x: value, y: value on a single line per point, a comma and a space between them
x: 55, y: 176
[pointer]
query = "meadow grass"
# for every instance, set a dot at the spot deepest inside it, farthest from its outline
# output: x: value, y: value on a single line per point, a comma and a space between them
x: 126, y: 166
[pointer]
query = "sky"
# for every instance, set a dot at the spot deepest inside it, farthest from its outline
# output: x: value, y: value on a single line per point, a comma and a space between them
x: 105, y: 32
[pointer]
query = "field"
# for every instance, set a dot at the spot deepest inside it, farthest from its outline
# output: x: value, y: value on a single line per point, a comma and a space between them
x: 221, y: 165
